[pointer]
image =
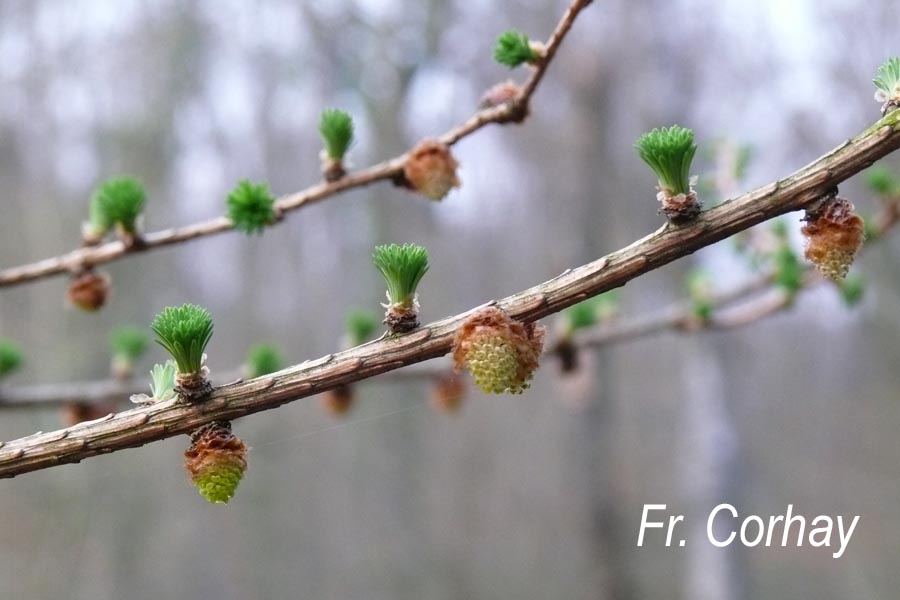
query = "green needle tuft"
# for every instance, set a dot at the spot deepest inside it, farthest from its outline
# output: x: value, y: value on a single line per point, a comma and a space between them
x: 336, y: 128
x: 669, y: 152
x: 403, y: 268
x: 128, y: 342
x: 887, y: 82
x: 263, y: 359
x: 589, y: 312
x: 514, y: 48
x: 10, y: 357
x: 117, y: 202
x: 852, y: 289
x: 700, y: 290
x: 251, y: 207
x: 184, y: 332
x: 360, y: 324
x: 883, y: 182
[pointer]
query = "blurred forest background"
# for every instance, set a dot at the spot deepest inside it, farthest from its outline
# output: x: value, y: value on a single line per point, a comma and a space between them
x: 529, y: 497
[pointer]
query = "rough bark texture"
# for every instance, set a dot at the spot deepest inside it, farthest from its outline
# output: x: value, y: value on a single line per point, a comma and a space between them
x: 142, y: 425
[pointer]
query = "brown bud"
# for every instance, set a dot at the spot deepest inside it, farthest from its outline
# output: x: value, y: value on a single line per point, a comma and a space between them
x: 501, y: 353
x: 339, y: 400
x: 401, y: 319
x: 679, y: 208
x: 834, y: 234
x: 430, y: 169
x: 193, y: 387
x: 448, y: 393
x: 567, y: 351
x: 78, y: 412
x: 499, y: 94
x: 89, y: 290
x: 332, y: 169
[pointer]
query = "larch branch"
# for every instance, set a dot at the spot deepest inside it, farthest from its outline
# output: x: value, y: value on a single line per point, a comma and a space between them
x: 389, y: 170
x: 139, y: 426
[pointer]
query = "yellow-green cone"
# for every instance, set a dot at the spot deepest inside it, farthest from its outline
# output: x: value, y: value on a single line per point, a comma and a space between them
x: 501, y: 353
x: 216, y: 461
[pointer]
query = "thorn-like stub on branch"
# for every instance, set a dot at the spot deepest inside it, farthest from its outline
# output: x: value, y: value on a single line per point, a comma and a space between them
x: 501, y: 353
x: 430, y: 169
x: 89, y: 290
x: 339, y: 400
x: 834, y: 234
x: 679, y: 209
x: 216, y: 461
x: 448, y: 393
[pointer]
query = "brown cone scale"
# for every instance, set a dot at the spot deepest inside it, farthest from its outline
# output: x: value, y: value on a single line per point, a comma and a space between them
x: 834, y: 234
x: 89, y: 290
x: 430, y: 169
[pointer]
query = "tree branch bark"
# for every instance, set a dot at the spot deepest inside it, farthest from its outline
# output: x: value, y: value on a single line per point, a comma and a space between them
x: 143, y: 425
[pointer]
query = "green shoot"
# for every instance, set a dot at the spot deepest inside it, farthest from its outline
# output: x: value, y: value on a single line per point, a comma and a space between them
x: 360, y: 324
x: 263, y: 359
x: 251, y: 207
x: 788, y: 270
x: 700, y: 290
x: 887, y: 83
x: 162, y: 384
x: 669, y: 152
x: 336, y: 128
x: 128, y: 343
x: 852, y: 289
x: 10, y: 357
x: 184, y: 332
x: 403, y: 268
x: 117, y: 202
x: 592, y: 311
x: 883, y: 182
x: 514, y: 48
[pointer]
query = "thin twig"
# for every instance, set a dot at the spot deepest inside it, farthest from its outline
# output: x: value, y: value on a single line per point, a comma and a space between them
x: 392, y: 169
x: 139, y: 426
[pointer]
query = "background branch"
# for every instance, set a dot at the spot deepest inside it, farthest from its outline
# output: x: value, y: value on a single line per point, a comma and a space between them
x: 514, y: 110
x: 142, y: 425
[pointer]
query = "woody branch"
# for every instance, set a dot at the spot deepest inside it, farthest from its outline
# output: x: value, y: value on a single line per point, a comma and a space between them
x: 167, y: 419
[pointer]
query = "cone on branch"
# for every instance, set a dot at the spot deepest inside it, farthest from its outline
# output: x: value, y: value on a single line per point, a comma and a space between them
x: 501, y: 353
x: 834, y: 234
x: 216, y: 461
x: 339, y: 400
x: 430, y: 169
x: 89, y: 290
x: 448, y: 393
